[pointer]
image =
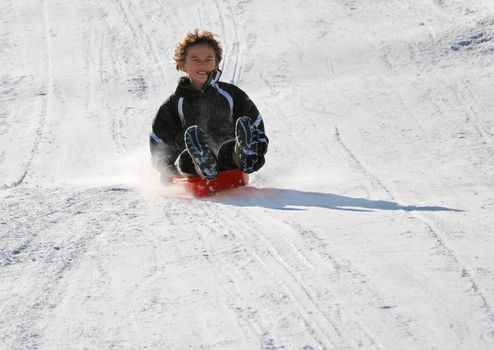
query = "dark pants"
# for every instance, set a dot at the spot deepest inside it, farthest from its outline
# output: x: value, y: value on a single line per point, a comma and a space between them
x: 226, y: 157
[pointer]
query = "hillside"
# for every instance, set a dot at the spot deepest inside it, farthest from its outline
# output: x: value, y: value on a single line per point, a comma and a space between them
x: 370, y: 226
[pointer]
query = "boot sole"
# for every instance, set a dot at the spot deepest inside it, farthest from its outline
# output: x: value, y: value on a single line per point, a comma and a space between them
x: 204, y: 160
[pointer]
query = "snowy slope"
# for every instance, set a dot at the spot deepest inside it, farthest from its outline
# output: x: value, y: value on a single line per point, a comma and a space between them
x: 370, y: 226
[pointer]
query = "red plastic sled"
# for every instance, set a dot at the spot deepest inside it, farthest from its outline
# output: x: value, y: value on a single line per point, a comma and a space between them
x: 200, y: 187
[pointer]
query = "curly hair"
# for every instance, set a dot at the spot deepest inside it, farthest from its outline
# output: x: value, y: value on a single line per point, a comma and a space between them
x: 196, y: 37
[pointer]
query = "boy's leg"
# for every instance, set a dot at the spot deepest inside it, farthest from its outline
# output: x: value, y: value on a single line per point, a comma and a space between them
x: 246, y: 152
x: 198, y: 147
x: 225, y: 156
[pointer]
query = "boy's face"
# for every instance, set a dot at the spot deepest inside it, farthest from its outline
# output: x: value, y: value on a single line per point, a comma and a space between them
x: 199, y: 61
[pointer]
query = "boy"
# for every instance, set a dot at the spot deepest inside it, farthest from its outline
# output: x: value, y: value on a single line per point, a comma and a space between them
x: 206, y: 126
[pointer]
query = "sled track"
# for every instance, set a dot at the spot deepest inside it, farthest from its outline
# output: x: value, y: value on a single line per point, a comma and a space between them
x: 360, y: 167
x: 227, y: 41
x: 225, y: 278
x: 246, y: 318
x: 353, y: 333
x: 316, y: 322
x: 473, y: 104
x: 47, y: 101
x: 148, y: 52
x: 250, y: 324
x: 464, y: 271
x: 236, y: 45
x: 142, y: 39
x: 248, y: 246
x: 226, y: 51
x: 433, y: 233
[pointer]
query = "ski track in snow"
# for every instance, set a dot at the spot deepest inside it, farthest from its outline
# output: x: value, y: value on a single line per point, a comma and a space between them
x: 38, y: 134
x: 368, y: 228
x: 435, y: 234
x: 274, y: 265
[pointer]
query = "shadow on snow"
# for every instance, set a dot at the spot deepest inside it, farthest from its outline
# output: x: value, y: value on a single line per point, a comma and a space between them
x: 284, y: 199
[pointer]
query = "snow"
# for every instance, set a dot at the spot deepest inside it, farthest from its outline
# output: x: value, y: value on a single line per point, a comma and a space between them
x: 369, y: 227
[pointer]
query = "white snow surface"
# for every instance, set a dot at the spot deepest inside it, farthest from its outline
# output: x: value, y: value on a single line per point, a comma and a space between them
x: 370, y: 227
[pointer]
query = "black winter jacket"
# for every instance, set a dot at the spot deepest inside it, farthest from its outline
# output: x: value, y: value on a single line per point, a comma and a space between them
x: 215, y: 109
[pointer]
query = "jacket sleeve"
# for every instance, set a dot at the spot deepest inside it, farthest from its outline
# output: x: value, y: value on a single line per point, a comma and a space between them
x: 244, y: 106
x: 166, y: 127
